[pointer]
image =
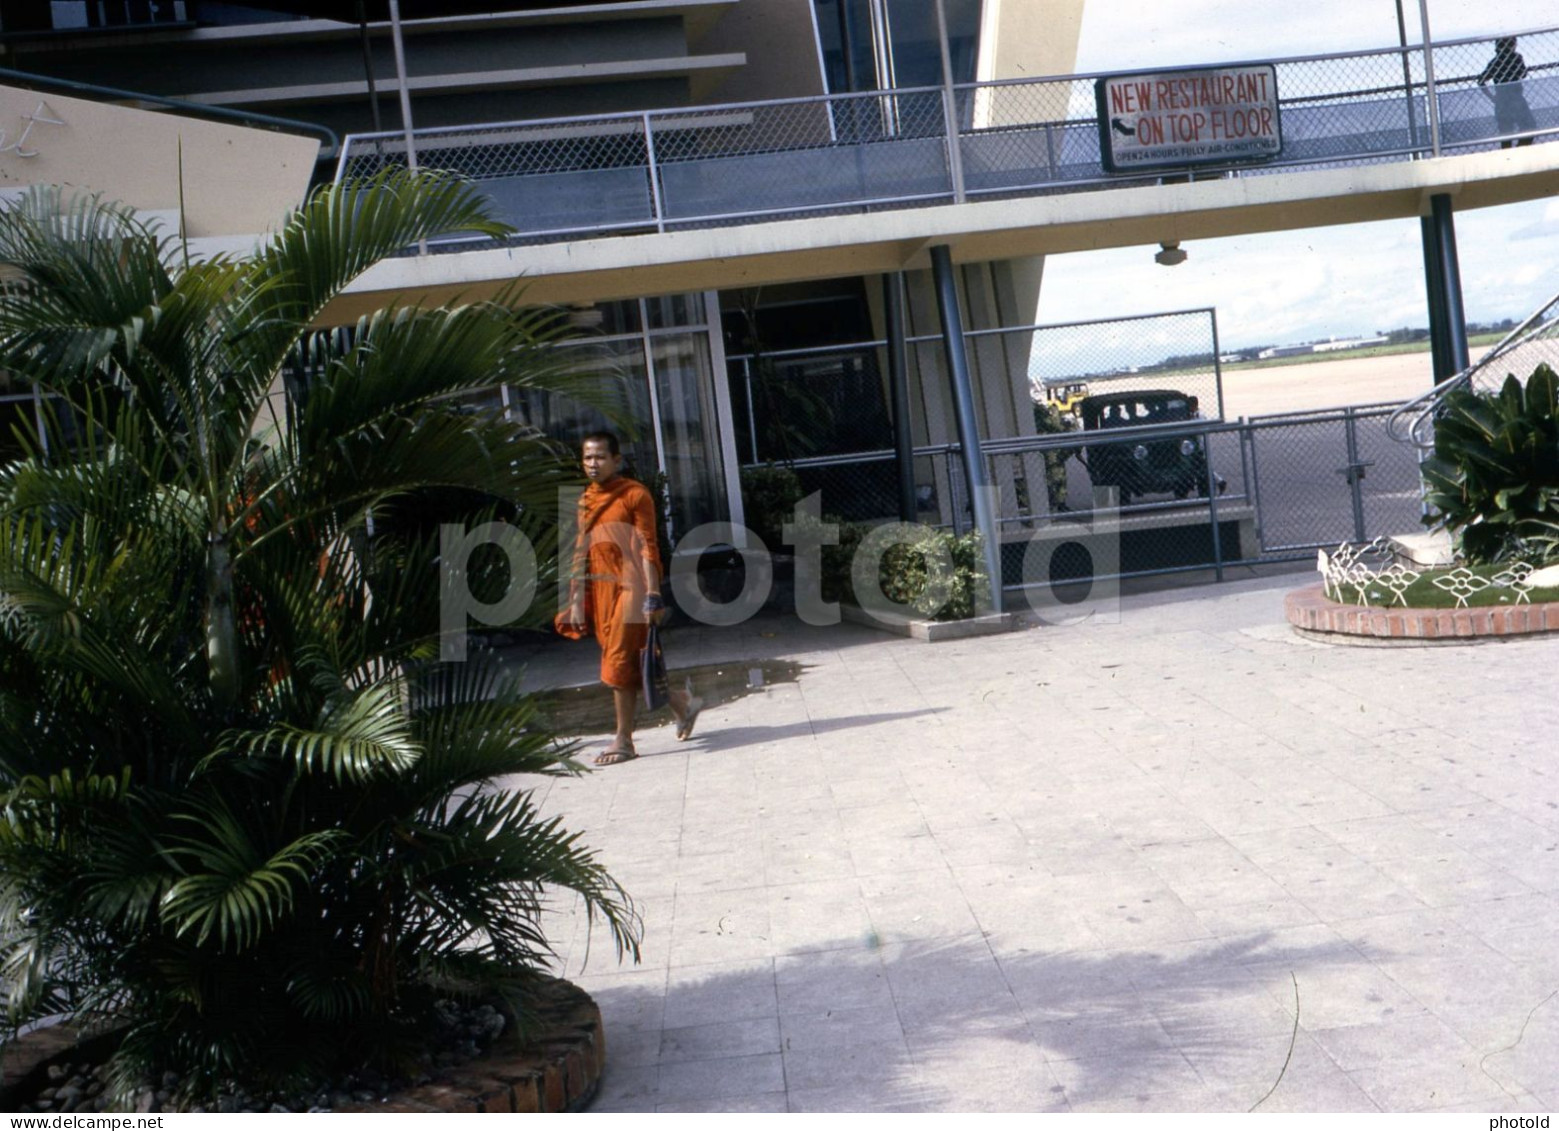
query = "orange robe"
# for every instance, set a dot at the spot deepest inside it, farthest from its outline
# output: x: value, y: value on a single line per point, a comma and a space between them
x: 616, y: 535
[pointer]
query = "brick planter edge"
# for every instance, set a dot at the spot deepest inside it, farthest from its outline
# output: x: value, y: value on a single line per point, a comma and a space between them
x: 558, y: 1069
x: 1315, y: 616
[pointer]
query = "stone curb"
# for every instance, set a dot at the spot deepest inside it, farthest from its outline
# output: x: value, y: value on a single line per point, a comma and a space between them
x: 931, y: 631
x: 1317, y: 617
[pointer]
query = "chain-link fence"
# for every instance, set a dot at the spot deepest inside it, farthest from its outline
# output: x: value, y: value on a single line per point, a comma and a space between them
x: 825, y: 412
x: 1192, y: 496
x: 1123, y: 465
x: 696, y: 166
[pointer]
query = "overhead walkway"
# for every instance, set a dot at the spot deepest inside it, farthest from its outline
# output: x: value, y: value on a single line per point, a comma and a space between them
x: 613, y: 206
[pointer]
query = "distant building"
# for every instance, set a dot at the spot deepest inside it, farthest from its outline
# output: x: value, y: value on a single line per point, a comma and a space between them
x: 1349, y: 344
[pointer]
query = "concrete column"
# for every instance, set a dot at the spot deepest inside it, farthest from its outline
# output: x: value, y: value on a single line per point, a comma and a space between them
x: 1451, y: 279
x: 1442, y: 274
x: 975, y: 474
x: 1434, y: 288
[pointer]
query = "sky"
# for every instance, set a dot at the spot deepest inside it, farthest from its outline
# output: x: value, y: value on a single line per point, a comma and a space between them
x: 1318, y: 283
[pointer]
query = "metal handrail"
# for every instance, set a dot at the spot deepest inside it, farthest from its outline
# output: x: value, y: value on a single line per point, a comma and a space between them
x: 1327, y: 57
x: 1036, y: 173
x: 332, y: 140
x: 922, y: 339
x: 1422, y: 407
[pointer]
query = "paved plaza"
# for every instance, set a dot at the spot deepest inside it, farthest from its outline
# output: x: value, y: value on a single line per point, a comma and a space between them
x: 1088, y: 868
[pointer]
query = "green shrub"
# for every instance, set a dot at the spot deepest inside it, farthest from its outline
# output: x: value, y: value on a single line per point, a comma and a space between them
x: 1493, y: 480
x: 770, y: 493
x: 906, y: 577
x: 903, y: 572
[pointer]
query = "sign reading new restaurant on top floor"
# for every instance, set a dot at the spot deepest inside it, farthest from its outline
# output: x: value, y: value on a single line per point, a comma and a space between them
x: 1206, y: 115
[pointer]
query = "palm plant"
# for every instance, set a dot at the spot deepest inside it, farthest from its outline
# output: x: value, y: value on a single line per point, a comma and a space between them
x: 1493, y: 480
x: 242, y: 808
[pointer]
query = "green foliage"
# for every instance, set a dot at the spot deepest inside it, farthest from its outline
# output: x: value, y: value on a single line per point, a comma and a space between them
x: 904, y: 573
x: 770, y: 493
x: 908, y: 578
x: 1493, y: 480
x: 242, y: 808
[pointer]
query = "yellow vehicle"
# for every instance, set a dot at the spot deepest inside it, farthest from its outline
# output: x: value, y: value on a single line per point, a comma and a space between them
x: 1067, y: 397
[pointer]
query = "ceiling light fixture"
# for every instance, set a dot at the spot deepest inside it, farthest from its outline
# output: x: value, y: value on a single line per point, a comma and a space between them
x: 1170, y: 254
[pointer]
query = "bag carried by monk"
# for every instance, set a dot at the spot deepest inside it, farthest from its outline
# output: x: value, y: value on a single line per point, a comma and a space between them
x: 652, y: 672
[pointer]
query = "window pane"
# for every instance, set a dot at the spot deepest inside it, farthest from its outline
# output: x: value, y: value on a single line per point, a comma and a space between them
x: 689, y: 429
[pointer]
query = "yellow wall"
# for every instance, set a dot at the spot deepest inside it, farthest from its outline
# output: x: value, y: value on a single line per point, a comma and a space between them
x: 237, y: 181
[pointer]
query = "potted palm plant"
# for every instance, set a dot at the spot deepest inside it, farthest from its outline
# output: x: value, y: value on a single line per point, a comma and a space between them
x: 245, y: 814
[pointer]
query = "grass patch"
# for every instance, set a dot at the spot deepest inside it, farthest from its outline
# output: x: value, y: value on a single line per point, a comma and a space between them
x: 1425, y: 594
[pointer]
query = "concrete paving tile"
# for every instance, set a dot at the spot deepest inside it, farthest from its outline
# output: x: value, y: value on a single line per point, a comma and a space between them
x: 802, y: 1032
x: 1384, y: 838
x: 1145, y: 922
x: 736, y: 1105
x: 631, y: 1000
x: 716, y: 992
x: 1428, y: 1083
x: 1333, y: 996
x: 1254, y: 1062
x: 823, y: 981
x: 1451, y: 877
x: 1373, y: 1043
x: 694, y: 1080
x: 994, y: 843
x: 798, y: 926
x: 1239, y: 919
x: 1418, y: 862
x: 904, y: 908
x: 751, y: 1037
x: 720, y: 927
x: 633, y: 1048
x: 1192, y: 1098
x: 1163, y: 1075
x: 722, y: 871
x: 918, y: 853
x: 625, y: 1088
x: 1518, y: 1103
x: 1330, y: 1091
x: 860, y: 1065
x: 1335, y: 891
x: 1120, y: 1026
x: 991, y: 1090
x: 886, y: 1096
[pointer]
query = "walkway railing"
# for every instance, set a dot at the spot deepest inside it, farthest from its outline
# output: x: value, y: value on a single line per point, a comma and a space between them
x: 705, y: 166
x: 1534, y: 341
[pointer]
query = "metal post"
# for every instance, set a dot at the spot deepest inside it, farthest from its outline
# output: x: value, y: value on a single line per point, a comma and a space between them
x: 649, y: 157
x: 368, y: 67
x: 898, y: 390
x: 955, y: 157
x: 975, y: 475
x: 400, y: 82
x: 1355, y: 472
x: 1451, y: 279
x: 1429, y: 87
x: 1407, y: 80
x: 1212, y: 505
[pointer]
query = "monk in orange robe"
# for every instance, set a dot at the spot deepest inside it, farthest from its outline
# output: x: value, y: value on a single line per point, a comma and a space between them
x: 616, y: 588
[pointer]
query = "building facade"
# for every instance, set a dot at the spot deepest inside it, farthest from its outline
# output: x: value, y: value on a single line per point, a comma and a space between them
x: 717, y: 380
